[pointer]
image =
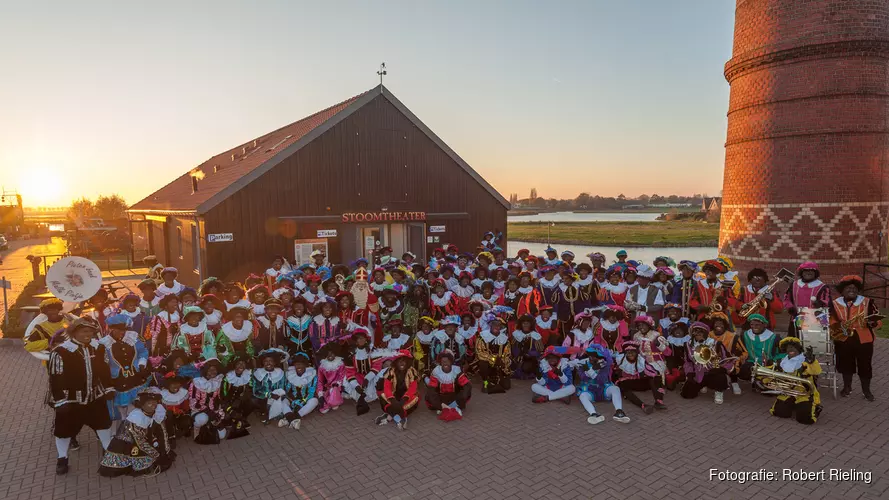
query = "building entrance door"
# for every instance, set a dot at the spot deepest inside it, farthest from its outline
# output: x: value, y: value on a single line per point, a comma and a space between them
x: 416, y: 240
x: 372, y: 239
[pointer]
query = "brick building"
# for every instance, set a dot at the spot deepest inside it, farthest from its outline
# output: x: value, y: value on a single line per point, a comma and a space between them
x: 807, y: 148
x: 349, y: 179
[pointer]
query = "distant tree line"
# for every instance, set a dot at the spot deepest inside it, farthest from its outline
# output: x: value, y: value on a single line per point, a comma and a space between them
x: 587, y: 201
x: 108, y: 208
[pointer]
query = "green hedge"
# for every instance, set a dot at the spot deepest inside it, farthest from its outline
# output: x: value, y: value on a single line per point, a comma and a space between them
x: 16, y: 328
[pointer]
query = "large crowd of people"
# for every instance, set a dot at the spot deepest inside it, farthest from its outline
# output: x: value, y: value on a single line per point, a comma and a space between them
x: 174, y: 363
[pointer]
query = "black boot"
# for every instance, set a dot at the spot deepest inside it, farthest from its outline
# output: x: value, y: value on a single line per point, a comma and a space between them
x: 74, y: 446
x: 62, y: 466
x: 865, y: 388
x: 847, y: 385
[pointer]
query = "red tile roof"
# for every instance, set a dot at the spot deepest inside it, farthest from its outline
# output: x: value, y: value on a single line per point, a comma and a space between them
x: 221, y: 171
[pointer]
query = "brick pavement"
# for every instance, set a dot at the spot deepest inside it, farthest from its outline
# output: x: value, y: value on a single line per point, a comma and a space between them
x: 506, y: 447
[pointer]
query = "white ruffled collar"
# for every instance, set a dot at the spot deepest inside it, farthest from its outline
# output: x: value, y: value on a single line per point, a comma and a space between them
x: 130, y: 338
x: 765, y: 335
x: 238, y: 381
x: 241, y: 303
x: 582, y: 337
x: 443, y: 336
x: 169, y: 318
x: 443, y: 300
x: 236, y: 335
x: 545, y: 283
x: 812, y: 284
x: 172, y: 399
x: 545, y: 324
x: 520, y: 336
x: 609, y: 325
x: 858, y: 300
x: 334, y: 320
x: 525, y: 290
x: 393, y: 343
x: 154, y: 302
x: 467, y: 333
x: 499, y: 339
x: 631, y: 368
x: 300, y: 380
x: 446, y: 378
x: 133, y: 314
x: 214, y: 318
x: 334, y: 365
x: 619, y: 288
x: 205, y: 385
x: 264, y: 320
x: 194, y: 330
x: 678, y: 341
x: 464, y: 291
x: 584, y: 281
x: 138, y: 418
x: 273, y: 376
x: 563, y: 287
x: 791, y: 365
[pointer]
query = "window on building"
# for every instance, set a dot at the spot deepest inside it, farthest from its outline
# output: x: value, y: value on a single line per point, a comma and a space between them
x: 179, y: 240
x: 195, y: 248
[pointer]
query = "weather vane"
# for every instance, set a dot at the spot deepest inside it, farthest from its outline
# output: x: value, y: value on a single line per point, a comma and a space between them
x: 382, y: 72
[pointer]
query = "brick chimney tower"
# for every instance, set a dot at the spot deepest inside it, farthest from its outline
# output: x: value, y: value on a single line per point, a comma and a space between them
x: 807, y: 149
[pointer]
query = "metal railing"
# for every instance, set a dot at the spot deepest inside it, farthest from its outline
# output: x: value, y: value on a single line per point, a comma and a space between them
x: 876, y: 283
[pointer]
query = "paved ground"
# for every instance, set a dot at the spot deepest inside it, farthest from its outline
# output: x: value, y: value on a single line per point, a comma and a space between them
x: 17, y: 269
x: 506, y: 447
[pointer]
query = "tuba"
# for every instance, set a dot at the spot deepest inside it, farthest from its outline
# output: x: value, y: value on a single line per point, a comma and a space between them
x: 786, y: 384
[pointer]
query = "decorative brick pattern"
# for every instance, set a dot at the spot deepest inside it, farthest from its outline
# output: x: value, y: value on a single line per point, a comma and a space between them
x: 807, y: 145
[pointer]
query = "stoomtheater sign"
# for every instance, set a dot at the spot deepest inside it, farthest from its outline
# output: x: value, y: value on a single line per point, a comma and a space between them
x: 383, y: 216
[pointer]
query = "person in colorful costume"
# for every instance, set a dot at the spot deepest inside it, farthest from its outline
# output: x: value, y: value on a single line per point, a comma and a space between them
x: 567, y: 302
x: 684, y: 288
x: 757, y: 279
x: 268, y: 377
x: 333, y: 377
x: 163, y: 329
x: 595, y: 384
x: 653, y: 349
x: 236, y: 336
x: 612, y: 330
x: 174, y: 397
x: 129, y: 306
x: 448, y: 389
x: 585, y: 326
x: 448, y: 339
x: 399, y: 396
x: 761, y: 345
x: 302, y: 381
x: 677, y: 340
x: 807, y: 291
x: 854, y: 346
x: 149, y: 303
x: 632, y: 373
x: 807, y: 407
x: 298, y: 326
x: 361, y: 369
x: 721, y: 331
x: 269, y: 328
x: 141, y: 445
x: 127, y: 359
x: 206, y: 403
x: 492, y: 353
x: 214, y: 312
x: 40, y: 332
x: 237, y: 397
x: 555, y: 377
x: 527, y: 347
x: 710, y: 291
x: 714, y: 375
x: 426, y: 330
x: 194, y: 337
x: 325, y: 326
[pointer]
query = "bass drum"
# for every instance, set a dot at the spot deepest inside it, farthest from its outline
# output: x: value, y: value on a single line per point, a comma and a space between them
x: 813, y: 326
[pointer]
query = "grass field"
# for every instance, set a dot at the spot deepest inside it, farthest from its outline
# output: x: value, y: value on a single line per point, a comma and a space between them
x: 639, y: 234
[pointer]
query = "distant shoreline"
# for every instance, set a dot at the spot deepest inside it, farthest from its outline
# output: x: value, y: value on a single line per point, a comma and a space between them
x: 654, y: 210
x: 638, y: 234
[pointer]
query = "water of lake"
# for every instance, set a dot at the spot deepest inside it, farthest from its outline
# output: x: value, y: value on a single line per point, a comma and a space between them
x: 644, y: 254
x: 585, y: 217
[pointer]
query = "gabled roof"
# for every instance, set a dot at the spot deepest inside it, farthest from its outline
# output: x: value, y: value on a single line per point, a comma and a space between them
x: 226, y: 173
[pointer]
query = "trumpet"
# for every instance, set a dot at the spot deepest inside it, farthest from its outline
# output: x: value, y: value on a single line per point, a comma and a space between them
x: 760, y: 299
x: 786, y: 384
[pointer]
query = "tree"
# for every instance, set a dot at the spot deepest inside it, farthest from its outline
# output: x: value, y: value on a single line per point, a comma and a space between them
x: 81, y: 209
x: 533, y: 195
x: 644, y: 199
x: 621, y: 197
x: 582, y: 200
x: 111, y: 208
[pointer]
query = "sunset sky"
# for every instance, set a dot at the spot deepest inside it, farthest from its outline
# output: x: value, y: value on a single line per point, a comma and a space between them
x: 600, y: 96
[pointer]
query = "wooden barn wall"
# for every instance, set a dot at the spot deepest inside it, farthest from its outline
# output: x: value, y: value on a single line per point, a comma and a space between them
x: 182, y: 258
x: 375, y: 158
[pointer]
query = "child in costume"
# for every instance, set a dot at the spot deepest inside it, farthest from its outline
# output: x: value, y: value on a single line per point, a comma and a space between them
x: 761, y: 345
x: 426, y: 329
x: 298, y: 325
x: 163, y: 329
x: 237, y: 397
x: 547, y: 285
x: 129, y: 305
x: 712, y: 373
x: 492, y: 352
x: 127, y: 357
x: 40, y: 332
x: 312, y: 293
x: 169, y: 285
x: 632, y: 373
x: 174, y: 397
x: 806, y: 291
x: 395, y: 339
x: 595, y: 384
x: 187, y: 297
x: 194, y: 337
x: 303, y: 382
x: 149, y: 303
x: 583, y: 333
x: 447, y: 388
x: 332, y: 375
x: 555, y: 378
x: 448, y: 339
x: 547, y: 326
x: 806, y: 407
x: 141, y: 445
x: 672, y: 315
x: 268, y: 377
x: 721, y: 332
x: 236, y: 336
x: 614, y: 290
x: 214, y: 311
x: 442, y: 302
x: 464, y: 291
x: 677, y: 340
x: 399, y: 397
x: 567, y: 302
x: 325, y: 326
x: 257, y: 295
x: 527, y: 346
x: 486, y: 296
x: 206, y: 403
x: 612, y: 330
x: 269, y: 329
x: 235, y: 296
x: 653, y: 349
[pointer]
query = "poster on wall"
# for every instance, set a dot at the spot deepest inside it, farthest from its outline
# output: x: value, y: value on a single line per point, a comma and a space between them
x: 436, y: 229
x: 302, y: 250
